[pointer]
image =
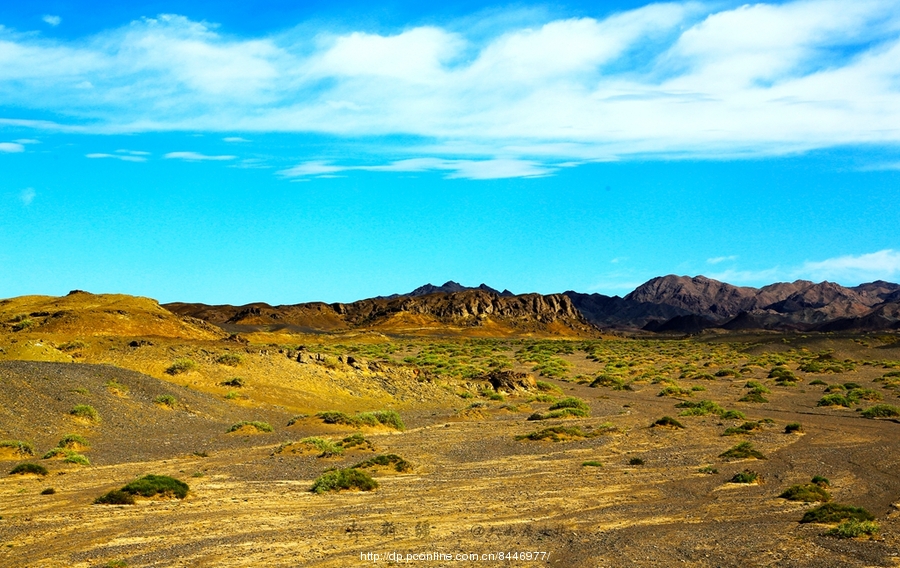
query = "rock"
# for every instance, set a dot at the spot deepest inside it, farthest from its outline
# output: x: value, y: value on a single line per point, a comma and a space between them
x: 510, y: 381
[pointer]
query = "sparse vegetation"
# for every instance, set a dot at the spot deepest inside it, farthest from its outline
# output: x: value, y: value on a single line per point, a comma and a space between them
x: 746, y: 476
x: 591, y: 463
x: 554, y: 433
x: 85, y: 412
x: 389, y: 460
x: 115, y: 497
x: 668, y: 422
x: 881, y: 411
x: 807, y: 492
x: 152, y: 485
x: 230, y: 359
x: 166, y: 400
x: 793, y: 428
x: 745, y: 428
x: 76, y: 458
x: 708, y: 470
x: 635, y: 461
x: 326, y: 447
x: 29, y: 468
x: 17, y: 447
x: 388, y: 418
x: 349, y: 479
x: 49, y: 491
x: 853, y: 528
x: 742, y: 451
x: 73, y: 441
x: 115, y: 387
x: 254, y: 424
x: 180, y: 366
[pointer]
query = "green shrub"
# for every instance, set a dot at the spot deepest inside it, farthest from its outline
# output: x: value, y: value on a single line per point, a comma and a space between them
x: 554, y: 433
x: 116, y: 387
x: 745, y: 428
x: 166, y: 400
x: 23, y: 325
x: 388, y: 418
x: 753, y: 396
x: 18, y: 446
x: 492, y: 395
x: 609, y: 381
x: 881, y: 411
x: 834, y: 400
x: 853, y: 528
x: 835, y: 388
x: 733, y: 415
x: 115, y: 497
x: 25, y: 468
x: 387, y: 460
x: 817, y: 382
x: 296, y: 418
x: 53, y: 452
x: 151, y: 485
x: 548, y: 387
x: 700, y: 408
x: 669, y: 422
x: 76, y: 458
x: 744, y: 450
x: 673, y: 390
x: 232, y: 395
x: 344, y: 480
x: 327, y: 447
x: 793, y: 427
x: 591, y: 463
x: 746, y: 476
x: 808, y: 493
x: 230, y: 359
x: 635, y: 461
x: 698, y: 388
x: 85, y: 412
x: 236, y: 382
x: 559, y: 413
x: 73, y: 441
x: 727, y: 373
x: 782, y: 374
x: 820, y: 481
x: 260, y: 426
x: 835, y: 513
x: 709, y: 470
x: 181, y: 366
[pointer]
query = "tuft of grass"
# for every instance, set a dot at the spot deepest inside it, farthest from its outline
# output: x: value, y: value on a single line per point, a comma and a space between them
x: 18, y: 446
x: 72, y: 345
x: 73, y: 441
x: 709, y: 470
x: 745, y: 428
x: 674, y: 390
x: 388, y: 418
x: 231, y: 395
x: 571, y: 402
x: 116, y: 387
x: 835, y: 513
x: 236, y: 382
x: 853, y: 528
x: 591, y: 463
x: 116, y: 564
x: 386, y: 460
x: 81, y: 390
x: 49, y: 491
x: 327, y: 447
x: 554, y: 433
x: 793, y: 427
x: 820, y: 481
x: 85, y: 412
x: 817, y: 382
x: 746, y: 476
x: 610, y: 381
x: 548, y: 387
x: 166, y: 400
x: 297, y: 418
x: 753, y: 396
x: 152, y: 485
x: 348, y: 479
x: 76, y: 458
x: 807, y: 492
x: 115, y: 497
x: 669, y: 422
x: 28, y: 468
x: 742, y: 451
x: 230, y: 359
x: 180, y: 366
x: 260, y: 426
x: 881, y: 411
x: 635, y: 461
x: 834, y: 400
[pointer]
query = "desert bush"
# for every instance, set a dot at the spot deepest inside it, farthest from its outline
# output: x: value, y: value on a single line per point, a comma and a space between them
x: 492, y: 395
x: 230, y: 359
x: 116, y: 387
x: 571, y: 402
x: 820, y: 481
x: 559, y: 413
x: 465, y: 394
x: 834, y: 400
x: 548, y: 387
x: 674, y: 390
x: 115, y: 497
x: 753, y: 396
x: 151, y: 485
x: 389, y: 418
x: 835, y: 513
x: 744, y: 450
x: 835, y: 388
x: 25, y: 468
x: 236, y: 382
x: 591, y: 463
x: 387, y: 460
x: 232, y: 395
x: 807, y: 492
x: 344, y: 480
x: 72, y: 441
x: 881, y: 411
x: 746, y: 476
x: 166, y: 400
x: 709, y: 470
x: 817, y: 382
x: 49, y: 491
x: 668, y: 421
x: 76, y: 458
x: 354, y: 440
x: 745, y: 428
x: 85, y: 412
x: 727, y: 373
x: 327, y: 447
x: 23, y: 324
x: 610, y: 381
x: 853, y: 528
x: 700, y: 408
x: 181, y: 366
x: 261, y: 426
x: 782, y: 374
x: 635, y: 461
x: 296, y: 418
x: 18, y: 446
x: 793, y: 427
x: 554, y: 433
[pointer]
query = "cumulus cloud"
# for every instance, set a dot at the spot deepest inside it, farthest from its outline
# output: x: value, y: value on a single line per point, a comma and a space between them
x: 11, y: 147
x: 52, y: 20
x: 197, y: 157
x: 680, y: 79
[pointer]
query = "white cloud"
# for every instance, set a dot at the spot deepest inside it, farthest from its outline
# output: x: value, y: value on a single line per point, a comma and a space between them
x: 27, y: 141
x: 718, y: 259
x: 676, y: 79
x: 27, y: 196
x: 11, y: 147
x: 124, y: 158
x: 133, y: 152
x: 465, y: 169
x: 872, y: 266
x: 196, y: 157
x: 52, y: 20
x: 234, y: 139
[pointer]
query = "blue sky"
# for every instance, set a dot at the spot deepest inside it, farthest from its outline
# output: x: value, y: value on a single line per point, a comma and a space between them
x: 333, y: 151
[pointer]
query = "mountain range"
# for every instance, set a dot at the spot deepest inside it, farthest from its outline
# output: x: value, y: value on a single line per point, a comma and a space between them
x: 667, y: 304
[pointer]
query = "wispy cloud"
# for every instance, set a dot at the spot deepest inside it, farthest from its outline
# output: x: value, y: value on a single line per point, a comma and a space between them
x: 52, y: 20
x: 123, y: 157
x: 718, y: 259
x: 27, y: 141
x: 133, y: 152
x: 197, y: 157
x: 11, y: 147
x: 849, y: 268
x: 27, y: 196
x: 674, y: 79
x: 465, y: 169
x: 234, y: 139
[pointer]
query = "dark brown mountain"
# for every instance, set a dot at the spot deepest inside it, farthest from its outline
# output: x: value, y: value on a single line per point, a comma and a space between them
x: 448, y: 287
